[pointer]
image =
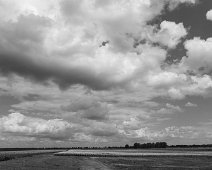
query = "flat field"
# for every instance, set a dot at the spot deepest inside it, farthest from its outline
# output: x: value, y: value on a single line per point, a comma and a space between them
x: 160, y: 159
x: 133, y: 152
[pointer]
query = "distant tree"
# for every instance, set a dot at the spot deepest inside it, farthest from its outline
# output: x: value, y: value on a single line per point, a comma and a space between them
x: 150, y: 145
x: 127, y: 146
x: 163, y: 145
x: 136, y: 145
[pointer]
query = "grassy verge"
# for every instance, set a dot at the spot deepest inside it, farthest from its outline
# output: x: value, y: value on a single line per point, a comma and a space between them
x: 5, y: 156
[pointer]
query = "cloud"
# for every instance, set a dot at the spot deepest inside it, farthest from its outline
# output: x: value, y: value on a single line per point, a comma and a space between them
x: 132, y: 123
x: 112, y: 66
x: 19, y: 125
x: 82, y: 103
x: 104, y: 132
x: 66, y: 49
x: 32, y: 61
x: 174, y: 3
x: 175, y: 93
x: 166, y: 34
x: 88, y: 108
x: 177, y: 84
x: 199, y: 55
x: 181, y: 132
x: 189, y: 104
x: 170, y: 34
x: 173, y: 107
x: 209, y: 15
x: 96, y: 112
x: 166, y: 133
x: 121, y: 68
x: 169, y: 109
x: 199, y: 85
x: 165, y: 78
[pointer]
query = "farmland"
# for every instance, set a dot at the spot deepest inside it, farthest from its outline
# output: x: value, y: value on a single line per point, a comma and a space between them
x: 134, y: 159
x: 8, y: 155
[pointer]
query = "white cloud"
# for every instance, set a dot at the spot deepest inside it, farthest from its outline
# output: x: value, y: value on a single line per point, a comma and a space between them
x: 169, y: 109
x: 170, y: 34
x: 209, y: 15
x: 199, y: 55
x: 167, y: 133
x: 165, y: 78
x: 189, y: 104
x: 175, y: 93
x: 199, y: 85
x: 17, y: 123
x: 132, y: 123
x: 174, y: 3
x: 68, y: 41
x: 173, y: 107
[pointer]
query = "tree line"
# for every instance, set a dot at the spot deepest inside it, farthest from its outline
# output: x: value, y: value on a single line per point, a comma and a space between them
x: 147, y: 145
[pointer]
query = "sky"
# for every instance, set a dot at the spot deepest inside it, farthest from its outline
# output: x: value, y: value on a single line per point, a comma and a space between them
x: 105, y: 73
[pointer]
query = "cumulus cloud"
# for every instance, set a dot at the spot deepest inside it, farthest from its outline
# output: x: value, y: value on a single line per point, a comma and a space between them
x: 189, y: 104
x: 108, y: 69
x: 173, y: 107
x: 20, y: 125
x: 209, y: 15
x: 179, y: 84
x: 175, y: 93
x: 167, y: 133
x: 195, y: 86
x: 174, y: 3
x: 43, y: 48
x: 166, y: 79
x: 170, y: 34
x: 199, y: 55
x: 169, y: 109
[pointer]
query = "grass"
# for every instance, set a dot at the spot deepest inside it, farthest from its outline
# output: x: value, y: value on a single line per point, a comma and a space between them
x: 159, y: 163
x: 50, y: 162
x: 8, y: 155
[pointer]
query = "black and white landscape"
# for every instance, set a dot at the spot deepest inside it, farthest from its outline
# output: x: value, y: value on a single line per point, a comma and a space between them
x: 96, y: 73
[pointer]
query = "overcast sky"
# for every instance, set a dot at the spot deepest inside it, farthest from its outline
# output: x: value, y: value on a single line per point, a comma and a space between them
x: 105, y: 72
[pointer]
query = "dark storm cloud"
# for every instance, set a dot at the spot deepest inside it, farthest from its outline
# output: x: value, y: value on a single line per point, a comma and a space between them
x: 42, y: 70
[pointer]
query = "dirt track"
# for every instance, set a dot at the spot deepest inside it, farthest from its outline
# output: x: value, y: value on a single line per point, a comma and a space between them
x: 51, y: 162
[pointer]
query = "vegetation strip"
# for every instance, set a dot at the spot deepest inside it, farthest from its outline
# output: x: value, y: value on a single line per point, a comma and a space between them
x: 5, y: 156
